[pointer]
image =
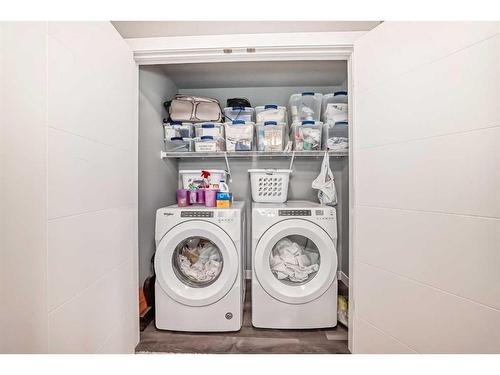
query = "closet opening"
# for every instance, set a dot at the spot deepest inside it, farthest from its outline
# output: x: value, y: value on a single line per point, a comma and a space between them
x: 261, y: 83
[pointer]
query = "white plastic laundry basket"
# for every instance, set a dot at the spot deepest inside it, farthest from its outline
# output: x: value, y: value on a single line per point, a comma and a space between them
x: 269, y: 185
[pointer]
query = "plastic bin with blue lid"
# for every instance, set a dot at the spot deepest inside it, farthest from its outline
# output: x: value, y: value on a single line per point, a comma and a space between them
x: 175, y: 129
x: 307, y: 135
x: 336, y: 136
x: 178, y: 144
x: 239, y: 135
x: 337, y: 97
x: 271, y: 136
x: 305, y: 107
x: 335, y: 112
x: 213, y: 129
x: 208, y: 143
x: 270, y: 112
x: 239, y: 113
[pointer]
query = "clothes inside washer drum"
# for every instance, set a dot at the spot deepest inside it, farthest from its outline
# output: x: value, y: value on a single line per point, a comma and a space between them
x: 291, y: 261
x: 201, y: 263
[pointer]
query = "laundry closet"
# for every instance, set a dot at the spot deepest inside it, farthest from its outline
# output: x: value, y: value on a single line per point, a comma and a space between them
x: 262, y: 83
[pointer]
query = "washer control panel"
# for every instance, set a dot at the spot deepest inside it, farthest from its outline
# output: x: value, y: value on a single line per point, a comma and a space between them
x: 294, y: 213
x: 197, y: 213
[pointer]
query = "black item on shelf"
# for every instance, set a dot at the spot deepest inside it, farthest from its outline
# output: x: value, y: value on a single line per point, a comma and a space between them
x: 238, y: 102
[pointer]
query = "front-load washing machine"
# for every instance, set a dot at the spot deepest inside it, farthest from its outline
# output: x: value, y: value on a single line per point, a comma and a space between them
x: 294, y: 279
x: 199, y: 268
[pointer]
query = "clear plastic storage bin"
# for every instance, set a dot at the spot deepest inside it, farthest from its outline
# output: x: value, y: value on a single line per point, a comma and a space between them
x: 305, y: 107
x: 178, y: 129
x: 212, y: 129
x: 192, y: 178
x: 178, y: 144
x: 271, y: 136
x: 239, y: 136
x: 208, y: 143
x: 334, y: 102
x: 270, y: 112
x: 335, y: 112
x: 336, y: 136
x: 307, y: 135
x: 238, y: 113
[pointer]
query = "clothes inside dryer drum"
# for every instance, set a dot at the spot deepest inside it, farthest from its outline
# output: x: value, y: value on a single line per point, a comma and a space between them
x: 199, y: 261
x: 294, y: 261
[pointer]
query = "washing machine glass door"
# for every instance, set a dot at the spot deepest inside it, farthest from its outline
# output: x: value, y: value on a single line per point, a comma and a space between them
x: 196, y: 263
x: 295, y: 261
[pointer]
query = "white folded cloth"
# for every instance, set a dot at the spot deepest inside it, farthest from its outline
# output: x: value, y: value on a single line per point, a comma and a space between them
x: 291, y: 261
x: 207, y: 265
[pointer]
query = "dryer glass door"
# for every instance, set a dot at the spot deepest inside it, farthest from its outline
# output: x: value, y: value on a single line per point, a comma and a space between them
x: 295, y: 261
x: 196, y: 263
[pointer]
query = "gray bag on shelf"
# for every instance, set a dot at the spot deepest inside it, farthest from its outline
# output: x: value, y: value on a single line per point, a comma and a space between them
x: 193, y: 109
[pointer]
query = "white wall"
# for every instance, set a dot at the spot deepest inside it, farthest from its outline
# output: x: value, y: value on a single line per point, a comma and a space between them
x: 157, y: 178
x: 69, y: 189
x: 427, y: 231
x: 23, y: 188
x: 92, y: 190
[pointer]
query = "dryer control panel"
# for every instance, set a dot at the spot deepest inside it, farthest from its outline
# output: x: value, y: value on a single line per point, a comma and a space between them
x: 191, y: 213
x: 294, y: 212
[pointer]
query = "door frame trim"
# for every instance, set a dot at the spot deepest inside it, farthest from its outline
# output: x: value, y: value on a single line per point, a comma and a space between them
x: 266, y: 47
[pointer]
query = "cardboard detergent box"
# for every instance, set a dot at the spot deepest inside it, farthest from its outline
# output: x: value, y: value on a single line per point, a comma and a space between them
x: 224, y: 199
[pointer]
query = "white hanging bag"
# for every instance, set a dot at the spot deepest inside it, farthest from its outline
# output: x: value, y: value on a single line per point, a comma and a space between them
x: 325, y: 184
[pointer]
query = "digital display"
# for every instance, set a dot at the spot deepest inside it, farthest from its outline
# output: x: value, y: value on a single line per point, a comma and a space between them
x: 197, y: 214
x: 294, y: 212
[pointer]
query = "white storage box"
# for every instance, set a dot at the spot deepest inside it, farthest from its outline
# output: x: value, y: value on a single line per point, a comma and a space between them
x: 238, y: 113
x: 271, y: 136
x: 239, y: 136
x: 178, y: 144
x: 270, y: 112
x: 207, y: 143
x: 307, y: 135
x: 193, y: 178
x: 336, y: 136
x: 178, y: 129
x: 305, y: 107
x: 269, y: 185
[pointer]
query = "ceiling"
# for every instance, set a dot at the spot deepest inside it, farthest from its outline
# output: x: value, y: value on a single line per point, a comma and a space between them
x: 258, y: 74
x: 147, y: 29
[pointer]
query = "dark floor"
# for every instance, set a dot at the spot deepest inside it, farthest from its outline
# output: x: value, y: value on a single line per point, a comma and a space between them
x: 249, y: 340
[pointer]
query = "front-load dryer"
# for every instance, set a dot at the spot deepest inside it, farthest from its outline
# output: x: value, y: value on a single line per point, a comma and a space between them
x: 294, y: 276
x: 199, y: 268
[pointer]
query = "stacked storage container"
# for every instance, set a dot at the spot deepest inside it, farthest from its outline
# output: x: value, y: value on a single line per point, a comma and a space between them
x: 239, y: 135
x: 307, y: 135
x: 238, y: 113
x: 271, y: 136
x: 305, y: 113
x: 178, y: 136
x: 305, y: 107
x: 209, y: 137
x: 271, y: 128
x: 335, y: 117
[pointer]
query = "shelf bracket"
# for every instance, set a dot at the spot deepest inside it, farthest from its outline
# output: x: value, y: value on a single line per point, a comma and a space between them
x: 228, y: 168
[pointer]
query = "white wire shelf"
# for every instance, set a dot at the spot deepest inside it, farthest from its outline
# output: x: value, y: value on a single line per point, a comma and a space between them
x: 251, y: 154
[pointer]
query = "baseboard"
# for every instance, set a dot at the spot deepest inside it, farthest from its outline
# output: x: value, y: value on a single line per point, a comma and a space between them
x: 248, y: 274
x: 341, y: 276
